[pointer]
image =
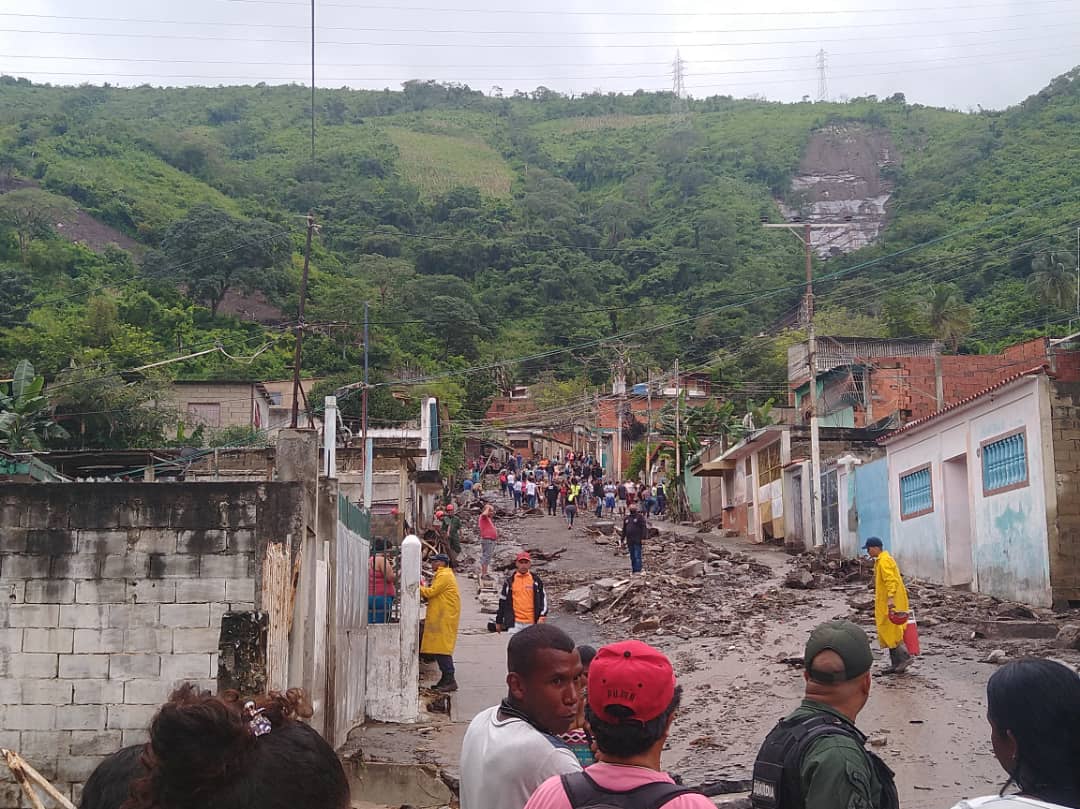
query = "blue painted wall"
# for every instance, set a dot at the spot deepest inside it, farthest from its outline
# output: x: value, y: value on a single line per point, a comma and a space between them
x: 872, y: 501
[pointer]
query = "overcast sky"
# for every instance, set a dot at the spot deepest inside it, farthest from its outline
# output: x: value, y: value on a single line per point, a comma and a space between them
x: 959, y: 54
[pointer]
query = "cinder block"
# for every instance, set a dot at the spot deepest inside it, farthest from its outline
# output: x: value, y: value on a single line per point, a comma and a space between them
x: 84, y: 667
x: 75, y: 566
x: 43, y: 745
x: 12, y: 536
x: 50, y: 541
x: 146, y: 692
x: 196, y: 640
x: 13, y: 591
x: 50, y: 591
x: 30, y: 717
x: 24, y: 666
x: 80, y: 717
x: 98, y: 641
x: 24, y: 566
x: 200, y: 591
x: 174, y: 566
x: 131, y: 737
x: 98, y: 692
x: 199, y: 541
x: 76, y: 768
x: 95, y: 742
x: 186, y: 666
x: 10, y: 691
x: 84, y: 616
x: 156, y: 540
x: 130, y: 717
x: 102, y: 541
x: 242, y: 540
x: 11, y: 794
x: 9, y: 740
x: 232, y: 566
x: 48, y: 640
x: 133, y: 666
x: 147, y: 591
x: 42, y: 616
x: 109, y: 591
x: 185, y: 615
x: 126, y: 566
x: 130, y: 616
x: 240, y: 590
x: 47, y: 692
x: 10, y: 639
x: 148, y: 639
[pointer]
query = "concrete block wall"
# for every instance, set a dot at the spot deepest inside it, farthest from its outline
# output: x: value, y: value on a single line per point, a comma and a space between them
x: 110, y: 596
x: 1064, y: 521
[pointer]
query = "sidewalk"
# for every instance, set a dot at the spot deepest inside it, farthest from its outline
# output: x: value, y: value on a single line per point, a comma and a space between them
x: 479, y: 657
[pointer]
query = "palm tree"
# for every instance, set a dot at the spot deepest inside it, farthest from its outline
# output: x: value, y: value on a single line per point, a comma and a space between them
x: 948, y: 314
x: 1053, y: 279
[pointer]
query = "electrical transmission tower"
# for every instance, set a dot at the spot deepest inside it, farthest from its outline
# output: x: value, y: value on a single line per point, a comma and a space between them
x: 823, y: 76
x: 679, y: 107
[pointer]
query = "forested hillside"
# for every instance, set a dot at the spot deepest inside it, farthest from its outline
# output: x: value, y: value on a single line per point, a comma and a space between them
x: 483, y: 229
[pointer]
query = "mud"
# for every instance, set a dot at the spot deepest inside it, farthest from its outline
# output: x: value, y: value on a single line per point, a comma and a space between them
x: 729, y: 632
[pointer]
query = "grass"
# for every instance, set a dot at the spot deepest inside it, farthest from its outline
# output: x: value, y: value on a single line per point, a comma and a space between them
x: 437, y: 163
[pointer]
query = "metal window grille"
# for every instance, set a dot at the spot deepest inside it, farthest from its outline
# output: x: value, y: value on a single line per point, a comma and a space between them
x: 1004, y: 463
x: 915, y: 492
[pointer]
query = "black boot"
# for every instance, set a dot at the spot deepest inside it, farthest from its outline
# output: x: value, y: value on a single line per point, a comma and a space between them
x: 447, y: 684
x: 442, y: 681
x: 900, y: 658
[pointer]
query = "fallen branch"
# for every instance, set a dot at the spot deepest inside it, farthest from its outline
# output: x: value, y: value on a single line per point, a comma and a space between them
x: 24, y: 774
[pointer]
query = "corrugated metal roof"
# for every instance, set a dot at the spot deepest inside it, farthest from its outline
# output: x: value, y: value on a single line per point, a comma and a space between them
x: 960, y: 403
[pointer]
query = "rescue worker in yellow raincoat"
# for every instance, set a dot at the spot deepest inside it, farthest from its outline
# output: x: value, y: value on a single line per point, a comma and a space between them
x: 890, y: 598
x: 441, y: 623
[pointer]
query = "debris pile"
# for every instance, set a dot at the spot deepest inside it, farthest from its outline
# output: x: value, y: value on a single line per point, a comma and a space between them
x: 813, y: 571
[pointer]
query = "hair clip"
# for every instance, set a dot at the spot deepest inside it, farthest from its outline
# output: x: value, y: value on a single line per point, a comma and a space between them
x: 258, y: 723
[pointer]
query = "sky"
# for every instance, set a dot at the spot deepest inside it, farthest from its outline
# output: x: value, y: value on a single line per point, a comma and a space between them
x: 960, y: 54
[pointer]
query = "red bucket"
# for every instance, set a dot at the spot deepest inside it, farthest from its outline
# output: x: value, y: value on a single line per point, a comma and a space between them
x: 911, y: 635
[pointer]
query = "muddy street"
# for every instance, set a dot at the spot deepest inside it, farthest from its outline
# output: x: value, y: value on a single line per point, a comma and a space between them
x: 734, y: 625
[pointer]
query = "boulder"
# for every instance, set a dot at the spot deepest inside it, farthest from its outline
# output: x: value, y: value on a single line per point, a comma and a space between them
x: 799, y: 580
x: 505, y: 554
x: 578, y: 600
x: 691, y: 570
x: 997, y: 657
x: 1068, y: 637
x: 648, y: 625
x: 606, y: 527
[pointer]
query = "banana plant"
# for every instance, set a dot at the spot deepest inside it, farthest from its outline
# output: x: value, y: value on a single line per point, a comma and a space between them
x: 26, y: 421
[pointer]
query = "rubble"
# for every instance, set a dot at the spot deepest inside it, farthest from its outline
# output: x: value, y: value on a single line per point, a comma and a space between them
x: 998, y: 656
x: 1068, y: 637
x: 691, y: 570
x: 801, y: 579
x: 998, y: 628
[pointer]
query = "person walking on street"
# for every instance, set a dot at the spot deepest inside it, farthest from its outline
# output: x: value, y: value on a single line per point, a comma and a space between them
x: 632, y: 700
x: 1033, y: 707
x: 598, y: 496
x: 451, y: 526
x: 570, y: 510
x: 620, y: 494
x: 512, y: 748
x: 502, y: 482
x: 634, y: 529
x: 519, y: 492
x: 551, y: 495
x: 890, y: 600
x: 511, y: 478
x: 609, y: 498
x: 441, y: 623
x: 530, y: 492
x: 522, y: 601
x: 661, y: 499
x: 816, y: 758
x: 489, y: 535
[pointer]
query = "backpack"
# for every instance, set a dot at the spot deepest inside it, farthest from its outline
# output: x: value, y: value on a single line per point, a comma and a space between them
x: 584, y: 793
x: 776, y: 782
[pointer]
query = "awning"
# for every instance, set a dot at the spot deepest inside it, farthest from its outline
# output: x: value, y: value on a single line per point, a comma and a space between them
x: 713, y: 469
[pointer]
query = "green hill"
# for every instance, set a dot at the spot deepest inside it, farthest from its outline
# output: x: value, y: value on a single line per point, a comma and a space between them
x: 483, y: 229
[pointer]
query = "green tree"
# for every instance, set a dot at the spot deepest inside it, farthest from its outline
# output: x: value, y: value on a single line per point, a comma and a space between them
x: 26, y: 422
x: 32, y: 214
x: 16, y: 296
x: 1054, y: 279
x: 948, y: 315
x: 211, y: 252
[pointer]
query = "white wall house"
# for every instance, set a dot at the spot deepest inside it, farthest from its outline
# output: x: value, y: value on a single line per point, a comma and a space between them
x: 972, y: 493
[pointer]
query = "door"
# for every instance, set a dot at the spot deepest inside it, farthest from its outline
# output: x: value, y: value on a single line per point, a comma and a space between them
x: 830, y: 512
x: 959, y: 565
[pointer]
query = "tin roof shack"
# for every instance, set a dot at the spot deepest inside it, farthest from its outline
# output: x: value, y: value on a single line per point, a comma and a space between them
x: 760, y: 487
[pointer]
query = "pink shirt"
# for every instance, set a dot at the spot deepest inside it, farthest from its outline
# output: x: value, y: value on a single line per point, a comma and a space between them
x: 618, y: 778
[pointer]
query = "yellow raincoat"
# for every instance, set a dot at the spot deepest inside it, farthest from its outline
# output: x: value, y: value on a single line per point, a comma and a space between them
x: 443, y: 613
x: 888, y: 583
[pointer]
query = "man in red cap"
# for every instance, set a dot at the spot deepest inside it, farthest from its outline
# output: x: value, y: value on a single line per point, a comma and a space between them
x: 522, y: 601
x: 632, y: 699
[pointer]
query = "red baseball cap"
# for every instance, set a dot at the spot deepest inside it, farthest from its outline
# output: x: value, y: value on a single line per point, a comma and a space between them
x: 522, y: 555
x: 633, y: 675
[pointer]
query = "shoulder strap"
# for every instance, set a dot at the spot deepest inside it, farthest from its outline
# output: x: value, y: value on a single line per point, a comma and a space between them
x: 582, y: 791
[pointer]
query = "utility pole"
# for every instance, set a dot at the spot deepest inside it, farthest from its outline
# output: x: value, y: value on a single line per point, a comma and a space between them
x: 811, y: 358
x: 678, y: 423
x: 299, y: 353
x: 648, y: 431
x: 620, y: 391
x: 679, y: 106
x: 369, y: 458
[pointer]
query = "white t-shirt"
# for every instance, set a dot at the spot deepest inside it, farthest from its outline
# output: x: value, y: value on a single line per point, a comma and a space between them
x: 1006, y: 802
x: 503, y: 761
x: 530, y: 488
x: 510, y: 478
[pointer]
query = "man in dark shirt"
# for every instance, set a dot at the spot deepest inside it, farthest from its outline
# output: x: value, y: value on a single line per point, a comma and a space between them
x: 634, y: 529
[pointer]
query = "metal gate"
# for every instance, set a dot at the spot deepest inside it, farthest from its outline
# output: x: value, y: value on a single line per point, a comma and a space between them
x: 830, y: 511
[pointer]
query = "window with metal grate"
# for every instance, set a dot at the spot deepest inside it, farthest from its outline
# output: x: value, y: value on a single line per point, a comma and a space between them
x: 1004, y: 463
x: 916, y: 493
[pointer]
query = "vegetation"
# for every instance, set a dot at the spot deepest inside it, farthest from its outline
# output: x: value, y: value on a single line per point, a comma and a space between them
x: 483, y: 228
